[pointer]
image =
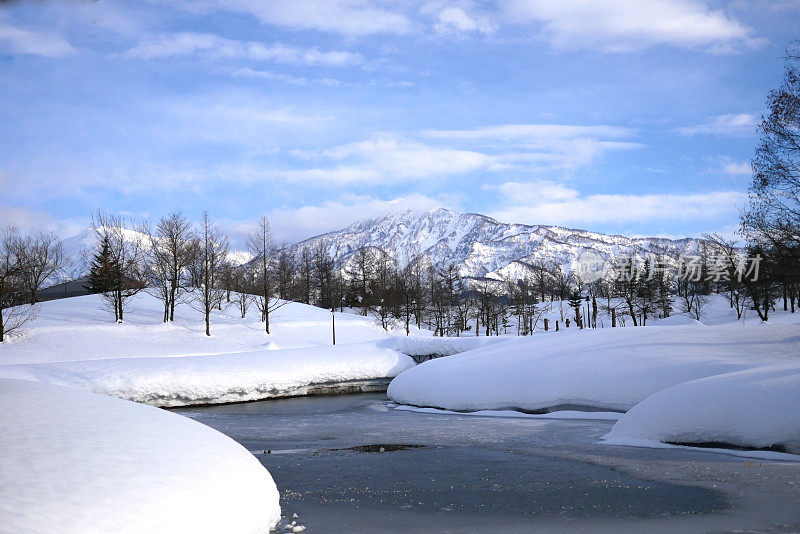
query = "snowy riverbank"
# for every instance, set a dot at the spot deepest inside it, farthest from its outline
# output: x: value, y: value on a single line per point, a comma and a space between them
x: 732, y: 384
x: 74, y: 343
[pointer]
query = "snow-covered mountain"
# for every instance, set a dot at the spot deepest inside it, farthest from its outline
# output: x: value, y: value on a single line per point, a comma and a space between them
x: 478, y: 245
x: 481, y: 246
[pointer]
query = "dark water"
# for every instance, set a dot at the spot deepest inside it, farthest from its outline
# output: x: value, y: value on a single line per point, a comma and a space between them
x: 349, y: 464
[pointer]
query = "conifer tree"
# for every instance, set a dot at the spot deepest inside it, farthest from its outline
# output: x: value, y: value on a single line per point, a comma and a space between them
x: 575, y: 302
x: 104, y: 269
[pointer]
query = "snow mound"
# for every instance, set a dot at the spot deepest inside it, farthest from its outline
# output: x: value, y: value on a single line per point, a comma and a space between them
x: 76, y: 462
x: 220, y: 378
x: 608, y: 369
x: 758, y: 408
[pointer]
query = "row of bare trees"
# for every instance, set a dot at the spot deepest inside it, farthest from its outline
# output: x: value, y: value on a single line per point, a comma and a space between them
x: 178, y: 262
x: 27, y: 260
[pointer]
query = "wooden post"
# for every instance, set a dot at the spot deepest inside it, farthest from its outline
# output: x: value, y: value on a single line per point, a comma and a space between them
x: 613, y: 317
x: 546, y: 325
x: 333, y: 326
x: 556, y: 325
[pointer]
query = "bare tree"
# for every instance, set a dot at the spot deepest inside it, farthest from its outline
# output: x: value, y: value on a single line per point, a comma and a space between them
x: 171, y: 250
x: 212, y: 252
x: 382, y: 287
x: 323, y: 274
x: 125, y: 278
x: 305, y: 274
x: 285, y: 271
x: 13, y: 314
x: 729, y: 260
x: 42, y: 256
x: 259, y: 243
x: 360, y: 271
x: 242, y: 285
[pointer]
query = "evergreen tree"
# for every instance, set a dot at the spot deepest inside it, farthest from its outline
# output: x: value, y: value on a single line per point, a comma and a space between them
x: 104, y: 269
x: 575, y: 301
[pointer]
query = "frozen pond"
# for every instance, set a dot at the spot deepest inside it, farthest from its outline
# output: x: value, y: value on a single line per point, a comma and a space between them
x: 350, y: 464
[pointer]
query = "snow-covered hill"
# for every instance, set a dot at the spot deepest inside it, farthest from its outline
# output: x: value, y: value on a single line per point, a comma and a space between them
x: 481, y: 246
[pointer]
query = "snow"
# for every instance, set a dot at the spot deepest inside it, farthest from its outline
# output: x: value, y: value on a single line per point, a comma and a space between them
x: 77, y: 462
x: 219, y: 378
x: 756, y: 408
x: 438, y: 346
x: 561, y: 414
x: 715, y: 381
x: 479, y: 245
x: 81, y: 329
x: 75, y: 343
x: 608, y: 369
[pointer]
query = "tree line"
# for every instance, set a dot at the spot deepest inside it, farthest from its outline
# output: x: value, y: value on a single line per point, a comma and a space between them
x: 179, y: 262
x: 27, y: 260
x: 771, y: 222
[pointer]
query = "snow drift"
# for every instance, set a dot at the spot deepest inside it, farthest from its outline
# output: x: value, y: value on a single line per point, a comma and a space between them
x: 757, y: 408
x: 609, y: 369
x: 77, y: 462
x: 219, y: 378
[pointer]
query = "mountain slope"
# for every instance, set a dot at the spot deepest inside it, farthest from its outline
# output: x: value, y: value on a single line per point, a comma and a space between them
x: 479, y: 245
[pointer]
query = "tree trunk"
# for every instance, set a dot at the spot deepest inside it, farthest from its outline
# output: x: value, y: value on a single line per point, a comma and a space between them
x: 633, y: 314
x: 172, y: 292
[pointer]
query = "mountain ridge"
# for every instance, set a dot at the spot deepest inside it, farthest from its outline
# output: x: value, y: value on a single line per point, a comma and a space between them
x: 480, y: 245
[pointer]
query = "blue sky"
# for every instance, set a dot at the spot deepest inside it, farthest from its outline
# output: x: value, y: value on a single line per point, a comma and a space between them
x: 614, y: 116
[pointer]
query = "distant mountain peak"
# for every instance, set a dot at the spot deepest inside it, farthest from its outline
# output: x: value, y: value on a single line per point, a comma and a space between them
x: 480, y: 245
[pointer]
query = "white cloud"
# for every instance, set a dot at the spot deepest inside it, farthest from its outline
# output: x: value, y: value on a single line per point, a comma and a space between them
x: 546, y: 202
x: 532, y: 132
x: 626, y: 26
x: 456, y: 20
x: 543, y: 146
x: 243, y: 119
x: 19, y: 41
x: 29, y: 219
x: 737, y: 169
x: 733, y: 124
x: 285, y: 78
x: 295, y: 224
x: 442, y: 154
x: 189, y: 43
x: 389, y: 158
x: 346, y: 17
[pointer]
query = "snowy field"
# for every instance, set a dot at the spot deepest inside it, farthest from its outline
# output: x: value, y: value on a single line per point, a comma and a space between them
x: 76, y: 462
x: 74, y: 342
x: 735, y: 383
